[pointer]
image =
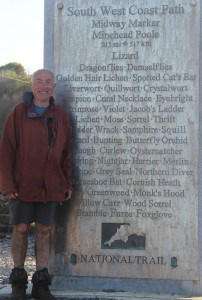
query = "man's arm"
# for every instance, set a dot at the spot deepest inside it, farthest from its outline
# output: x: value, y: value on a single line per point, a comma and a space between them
x: 7, y: 157
x: 67, y: 165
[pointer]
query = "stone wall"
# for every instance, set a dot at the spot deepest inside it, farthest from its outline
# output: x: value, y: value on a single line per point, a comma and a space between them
x: 5, y: 227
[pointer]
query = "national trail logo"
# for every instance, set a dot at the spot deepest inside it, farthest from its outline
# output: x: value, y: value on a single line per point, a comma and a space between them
x: 121, y: 236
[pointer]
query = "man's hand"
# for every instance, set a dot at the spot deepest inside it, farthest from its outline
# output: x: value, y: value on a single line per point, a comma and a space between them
x: 11, y: 196
x: 68, y: 195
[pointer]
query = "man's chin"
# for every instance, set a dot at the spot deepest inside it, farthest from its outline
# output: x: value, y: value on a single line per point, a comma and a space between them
x: 42, y: 101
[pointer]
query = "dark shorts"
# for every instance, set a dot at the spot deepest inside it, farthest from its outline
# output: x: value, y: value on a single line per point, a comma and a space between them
x: 29, y: 212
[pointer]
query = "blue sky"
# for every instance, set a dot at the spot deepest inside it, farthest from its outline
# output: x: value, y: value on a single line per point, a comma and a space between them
x: 22, y: 33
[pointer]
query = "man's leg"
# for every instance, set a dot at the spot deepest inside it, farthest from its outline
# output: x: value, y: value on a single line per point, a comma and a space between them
x: 19, y: 244
x: 41, y: 278
x: 43, y: 244
x: 18, y: 277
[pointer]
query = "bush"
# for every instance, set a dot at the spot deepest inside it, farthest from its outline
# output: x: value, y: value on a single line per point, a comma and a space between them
x: 14, y: 81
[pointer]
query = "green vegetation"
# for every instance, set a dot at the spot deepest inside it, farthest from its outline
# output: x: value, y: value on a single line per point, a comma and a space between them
x: 14, y: 81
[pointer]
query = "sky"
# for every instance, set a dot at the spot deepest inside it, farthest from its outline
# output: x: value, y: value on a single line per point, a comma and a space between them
x: 22, y: 33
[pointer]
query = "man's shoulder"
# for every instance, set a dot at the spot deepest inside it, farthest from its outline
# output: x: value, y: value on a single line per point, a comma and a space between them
x: 19, y: 105
x: 63, y: 114
x: 60, y: 109
x: 17, y: 108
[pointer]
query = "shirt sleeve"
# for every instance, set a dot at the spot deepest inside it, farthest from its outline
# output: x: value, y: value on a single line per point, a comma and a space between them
x: 7, y: 155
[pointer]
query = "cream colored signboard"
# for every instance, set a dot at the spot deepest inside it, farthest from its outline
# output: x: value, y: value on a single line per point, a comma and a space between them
x: 129, y: 73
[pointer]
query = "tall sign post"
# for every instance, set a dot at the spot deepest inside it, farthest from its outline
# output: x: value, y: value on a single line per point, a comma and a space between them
x: 128, y: 73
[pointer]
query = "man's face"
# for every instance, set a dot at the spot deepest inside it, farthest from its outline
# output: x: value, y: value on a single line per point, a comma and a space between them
x: 42, y: 86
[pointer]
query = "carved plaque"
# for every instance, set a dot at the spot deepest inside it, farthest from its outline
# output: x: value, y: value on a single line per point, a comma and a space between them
x: 128, y: 71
